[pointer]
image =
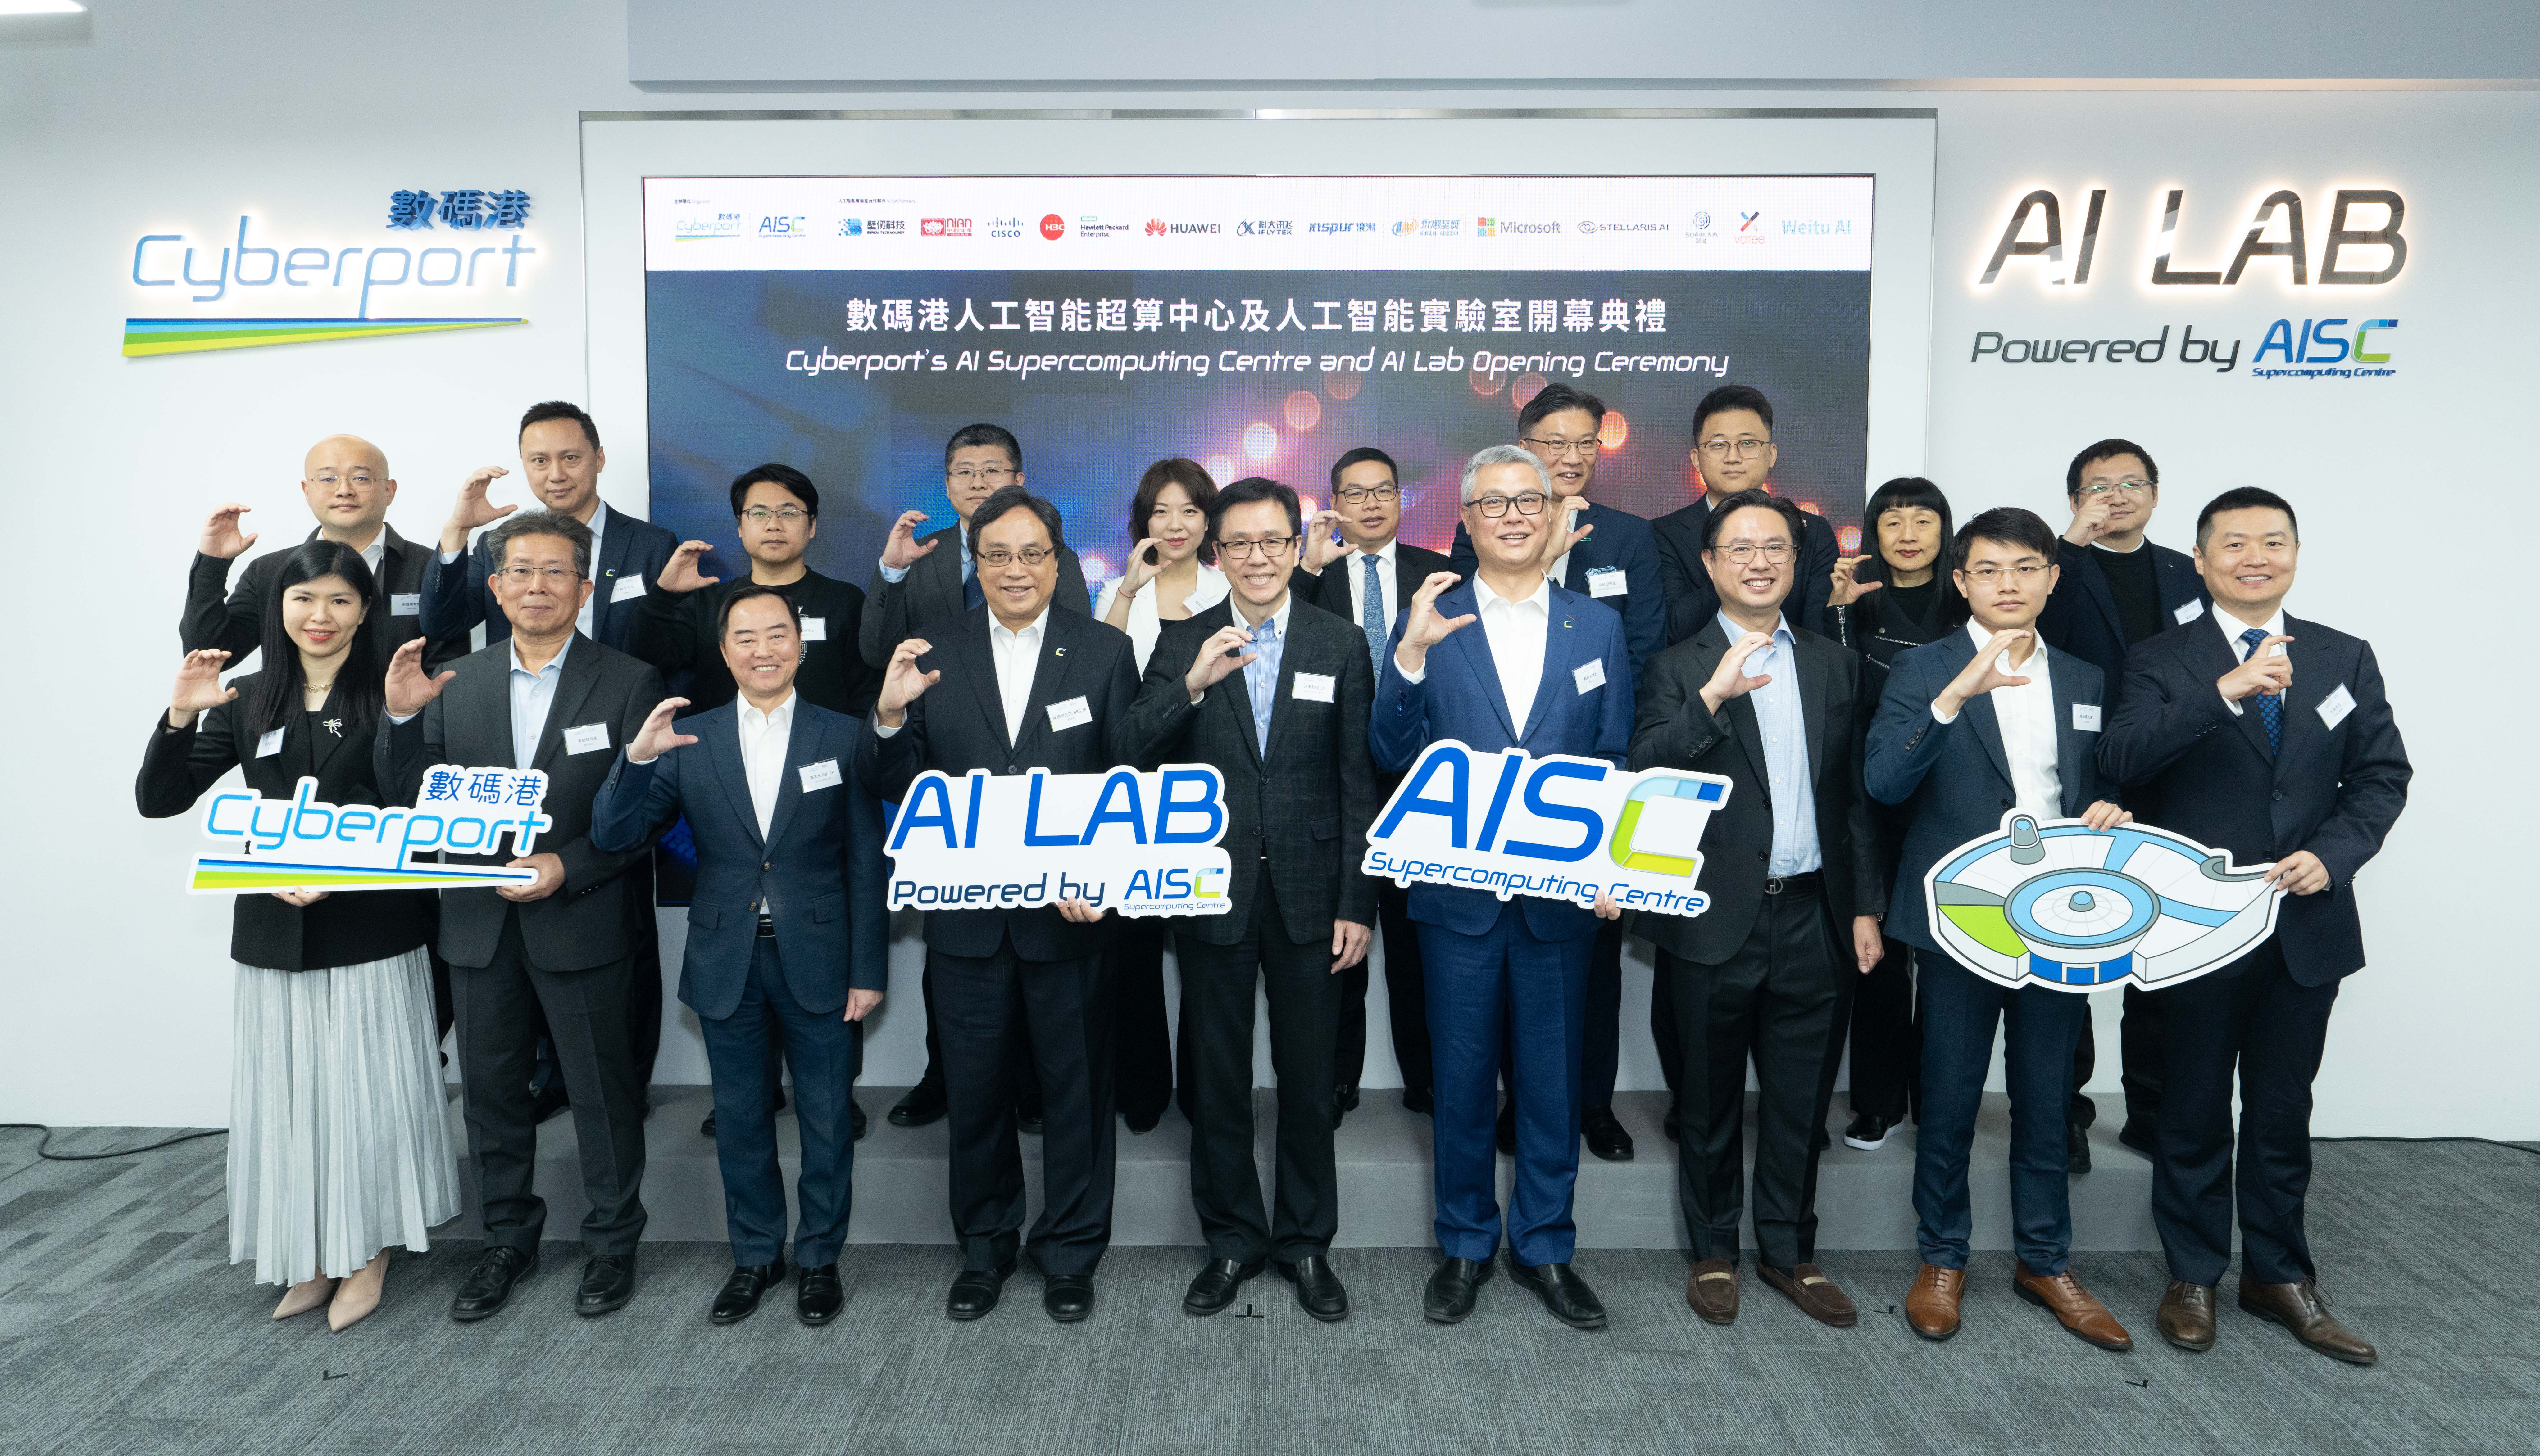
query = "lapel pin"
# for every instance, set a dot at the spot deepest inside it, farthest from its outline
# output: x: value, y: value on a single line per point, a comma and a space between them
x: 1565, y: 621
x: 1058, y: 651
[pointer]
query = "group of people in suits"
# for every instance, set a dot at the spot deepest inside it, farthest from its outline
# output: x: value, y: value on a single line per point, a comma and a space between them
x: 1871, y: 712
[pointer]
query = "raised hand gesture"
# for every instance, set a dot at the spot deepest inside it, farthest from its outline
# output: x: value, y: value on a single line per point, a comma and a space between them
x: 1558, y: 537
x: 2267, y: 673
x: 1323, y: 545
x: 1220, y: 656
x: 1424, y: 628
x: 221, y: 537
x: 198, y: 686
x: 901, y: 549
x: 681, y: 574
x: 2090, y: 521
x: 1846, y: 589
x: 408, y: 689
x: 1139, y: 571
x: 902, y: 684
x: 1729, y: 680
x: 472, y: 509
x: 1987, y: 673
x: 656, y: 737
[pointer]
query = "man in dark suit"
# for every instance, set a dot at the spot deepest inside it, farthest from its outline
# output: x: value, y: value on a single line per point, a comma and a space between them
x: 1972, y: 726
x: 1768, y: 971
x: 1548, y: 671
x: 1273, y: 693
x: 1733, y: 451
x: 917, y: 584
x: 787, y: 929
x: 2273, y: 738
x: 1031, y: 687
x: 1366, y: 575
x: 2118, y: 590
x: 545, y: 698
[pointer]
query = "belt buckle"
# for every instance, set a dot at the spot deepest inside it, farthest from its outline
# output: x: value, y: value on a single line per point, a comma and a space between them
x: 1772, y: 884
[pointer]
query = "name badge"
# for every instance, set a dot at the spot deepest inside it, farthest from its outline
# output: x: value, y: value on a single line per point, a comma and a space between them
x: 1588, y: 676
x: 1609, y: 582
x: 815, y: 629
x: 2085, y: 717
x: 2334, y: 708
x: 586, y: 738
x: 271, y: 743
x: 405, y: 603
x: 1068, y: 715
x: 1314, y: 687
x: 2189, y: 612
x: 821, y: 775
x: 626, y: 589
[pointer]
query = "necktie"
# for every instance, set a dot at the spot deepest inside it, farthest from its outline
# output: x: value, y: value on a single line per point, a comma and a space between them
x: 1262, y: 686
x: 1372, y: 617
x: 2271, y: 708
x: 972, y: 594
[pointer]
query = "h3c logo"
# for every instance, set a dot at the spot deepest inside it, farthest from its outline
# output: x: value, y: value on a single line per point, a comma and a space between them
x: 2035, y: 229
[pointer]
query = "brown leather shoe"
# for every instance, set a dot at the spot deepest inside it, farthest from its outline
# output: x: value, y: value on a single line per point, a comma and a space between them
x: 2300, y: 1309
x: 1932, y: 1305
x: 2074, y: 1307
x: 1814, y: 1294
x: 2186, y: 1315
x: 1712, y: 1290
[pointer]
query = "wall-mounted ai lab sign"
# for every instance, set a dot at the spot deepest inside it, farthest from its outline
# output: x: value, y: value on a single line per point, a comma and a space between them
x: 302, y: 843
x: 2059, y: 904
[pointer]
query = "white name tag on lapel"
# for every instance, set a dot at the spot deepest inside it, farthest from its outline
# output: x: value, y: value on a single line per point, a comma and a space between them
x: 405, y: 603
x: 815, y: 629
x: 1588, y: 676
x: 819, y: 776
x: 1068, y: 715
x: 1608, y: 582
x: 1314, y: 687
x: 586, y: 738
x: 626, y: 587
x: 2189, y: 612
x: 2334, y: 708
x: 271, y: 743
x: 2085, y: 717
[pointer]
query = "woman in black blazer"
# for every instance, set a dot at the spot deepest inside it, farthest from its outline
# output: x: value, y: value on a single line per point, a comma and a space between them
x: 1896, y: 597
x: 340, y: 1143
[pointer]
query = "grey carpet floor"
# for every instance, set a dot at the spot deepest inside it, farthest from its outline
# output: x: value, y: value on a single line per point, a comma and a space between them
x: 123, y: 1329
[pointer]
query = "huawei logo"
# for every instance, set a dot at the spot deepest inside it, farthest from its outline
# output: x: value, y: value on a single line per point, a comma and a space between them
x: 1155, y: 227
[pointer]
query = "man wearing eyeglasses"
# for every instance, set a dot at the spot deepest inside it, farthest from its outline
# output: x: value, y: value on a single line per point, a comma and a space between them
x: 2118, y: 589
x: 1274, y: 693
x: 1733, y: 451
x: 919, y: 581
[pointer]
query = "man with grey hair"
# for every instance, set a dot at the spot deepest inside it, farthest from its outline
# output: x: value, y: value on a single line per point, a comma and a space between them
x: 1549, y: 672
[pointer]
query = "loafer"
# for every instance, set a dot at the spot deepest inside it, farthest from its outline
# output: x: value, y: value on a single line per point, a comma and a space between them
x: 489, y: 1284
x: 1068, y: 1297
x: 607, y: 1282
x: 856, y: 1120
x: 1562, y: 1291
x: 739, y: 1298
x: 2302, y: 1309
x: 1712, y: 1289
x: 925, y: 1103
x: 2076, y: 1149
x: 1318, y: 1290
x: 1868, y: 1132
x: 1216, y: 1286
x: 1817, y: 1296
x: 2186, y: 1315
x: 1932, y: 1305
x: 1605, y: 1136
x: 976, y: 1291
x: 1506, y: 1131
x: 2074, y: 1307
x: 818, y: 1296
x: 1420, y: 1100
x: 1452, y: 1288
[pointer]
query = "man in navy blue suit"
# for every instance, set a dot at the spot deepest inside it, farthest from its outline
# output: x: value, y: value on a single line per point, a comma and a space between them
x: 1549, y: 672
x: 787, y: 933
x: 2271, y: 738
x: 1971, y: 727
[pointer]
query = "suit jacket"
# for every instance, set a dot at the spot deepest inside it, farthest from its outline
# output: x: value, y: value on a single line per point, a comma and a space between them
x: 932, y: 591
x: 819, y: 868
x: 1673, y: 731
x: 631, y: 549
x: 1330, y: 591
x: 2207, y: 775
x: 237, y: 626
x: 1690, y: 599
x: 677, y: 632
x: 344, y: 930
x: 2081, y: 618
x: 1302, y: 807
x: 960, y: 724
x: 1955, y: 777
x: 1621, y: 543
x: 590, y: 920
x: 1459, y: 697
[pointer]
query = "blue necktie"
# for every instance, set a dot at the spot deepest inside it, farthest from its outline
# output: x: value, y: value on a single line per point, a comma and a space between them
x: 1371, y: 616
x: 971, y: 593
x: 2271, y: 708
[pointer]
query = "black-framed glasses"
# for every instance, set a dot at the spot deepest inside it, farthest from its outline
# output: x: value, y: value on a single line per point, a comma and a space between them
x: 1744, y: 447
x: 1529, y: 504
x: 1360, y: 495
x: 1028, y: 556
x: 1773, y: 553
x: 1271, y: 547
x: 1584, y: 445
x: 991, y: 476
x: 761, y: 514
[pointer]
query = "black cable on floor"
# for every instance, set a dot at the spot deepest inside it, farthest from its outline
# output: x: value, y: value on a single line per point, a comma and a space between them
x: 2485, y: 1141
x: 43, y: 1149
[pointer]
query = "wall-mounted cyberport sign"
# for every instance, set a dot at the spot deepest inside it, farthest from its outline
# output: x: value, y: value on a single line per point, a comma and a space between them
x: 2056, y: 903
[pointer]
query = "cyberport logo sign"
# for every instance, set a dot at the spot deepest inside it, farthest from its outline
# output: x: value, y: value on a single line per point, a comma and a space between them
x: 1555, y: 827
x: 1142, y: 843
x: 2056, y: 903
x: 303, y: 844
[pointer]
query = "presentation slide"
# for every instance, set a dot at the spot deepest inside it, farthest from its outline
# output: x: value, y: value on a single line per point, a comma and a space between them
x: 1261, y: 326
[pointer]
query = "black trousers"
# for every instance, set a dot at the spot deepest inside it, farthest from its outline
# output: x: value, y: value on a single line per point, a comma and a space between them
x: 2255, y: 1020
x: 1305, y: 996
x: 1062, y: 1009
x: 1406, y: 998
x: 500, y: 1005
x: 643, y: 993
x: 1887, y: 1038
x: 1142, y: 1047
x: 1026, y: 1078
x: 1601, y: 1051
x: 1781, y: 998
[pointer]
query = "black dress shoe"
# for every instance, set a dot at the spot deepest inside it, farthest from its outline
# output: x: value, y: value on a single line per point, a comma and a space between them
x: 2077, y: 1148
x: 708, y: 1126
x: 1028, y: 1119
x: 607, y: 1282
x: 817, y: 1295
x: 1345, y: 1096
x: 976, y: 1291
x: 1823, y: 1141
x: 1605, y: 1136
x: 1867, y: 1131
x: 490, y: 1283
x: 1505, y: 1133
x: 547, y: 1101
x: 1068, y: 1297
x: 739, y: 1300
x: 857, y: 1121
x: 924, y: 1104
x: 2140, y: 1135
x: 1420, y: 1100
x: 1563, y: 1292
x: 1452, y: 1288
x: 1318, y: 1290
x: 1215, y: 1286
x: 1140, y: 1123
x: 1673, y: 1123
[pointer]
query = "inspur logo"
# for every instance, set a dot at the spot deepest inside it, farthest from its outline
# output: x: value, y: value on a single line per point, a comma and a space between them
x: 1335, y: 227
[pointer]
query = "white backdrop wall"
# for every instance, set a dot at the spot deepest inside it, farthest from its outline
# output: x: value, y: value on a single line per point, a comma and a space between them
x: 171, y: 119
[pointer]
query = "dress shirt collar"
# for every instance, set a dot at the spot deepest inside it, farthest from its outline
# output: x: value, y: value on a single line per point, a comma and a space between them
x: 998, y: 632
x: 599, y: 525
x: 1982, y: 634
x: 555, y: 663
x: 1278, y: 619
x: 1386, y: 553
x: 1541, y: 598
x: 2232, y: 627
x: 781, y: 718
x: 1730, y: 631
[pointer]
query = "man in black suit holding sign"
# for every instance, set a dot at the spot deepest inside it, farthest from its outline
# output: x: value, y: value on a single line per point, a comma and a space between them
x: 2272, y: 738
x: 1275, y: 695
x: 1033, y: 687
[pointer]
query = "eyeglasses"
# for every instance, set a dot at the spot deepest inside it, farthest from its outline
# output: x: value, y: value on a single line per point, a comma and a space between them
x: 2099, y: 488
x: 361, y: 479
x: 760, y: 515
x: 1720, y: 447
x: 1360, y: 495
x: 1988, y: 575
x: 1269, y: 547
x: 1495, y: 506
x: 991, y: 476
x: 1028, y: 556
x: 1775, y: 553
x: 1585, y: 447
x: 553, y: 575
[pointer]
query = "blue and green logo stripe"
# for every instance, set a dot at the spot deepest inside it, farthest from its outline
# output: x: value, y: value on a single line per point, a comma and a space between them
x: 148, y: 337
x: 214, y: 875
